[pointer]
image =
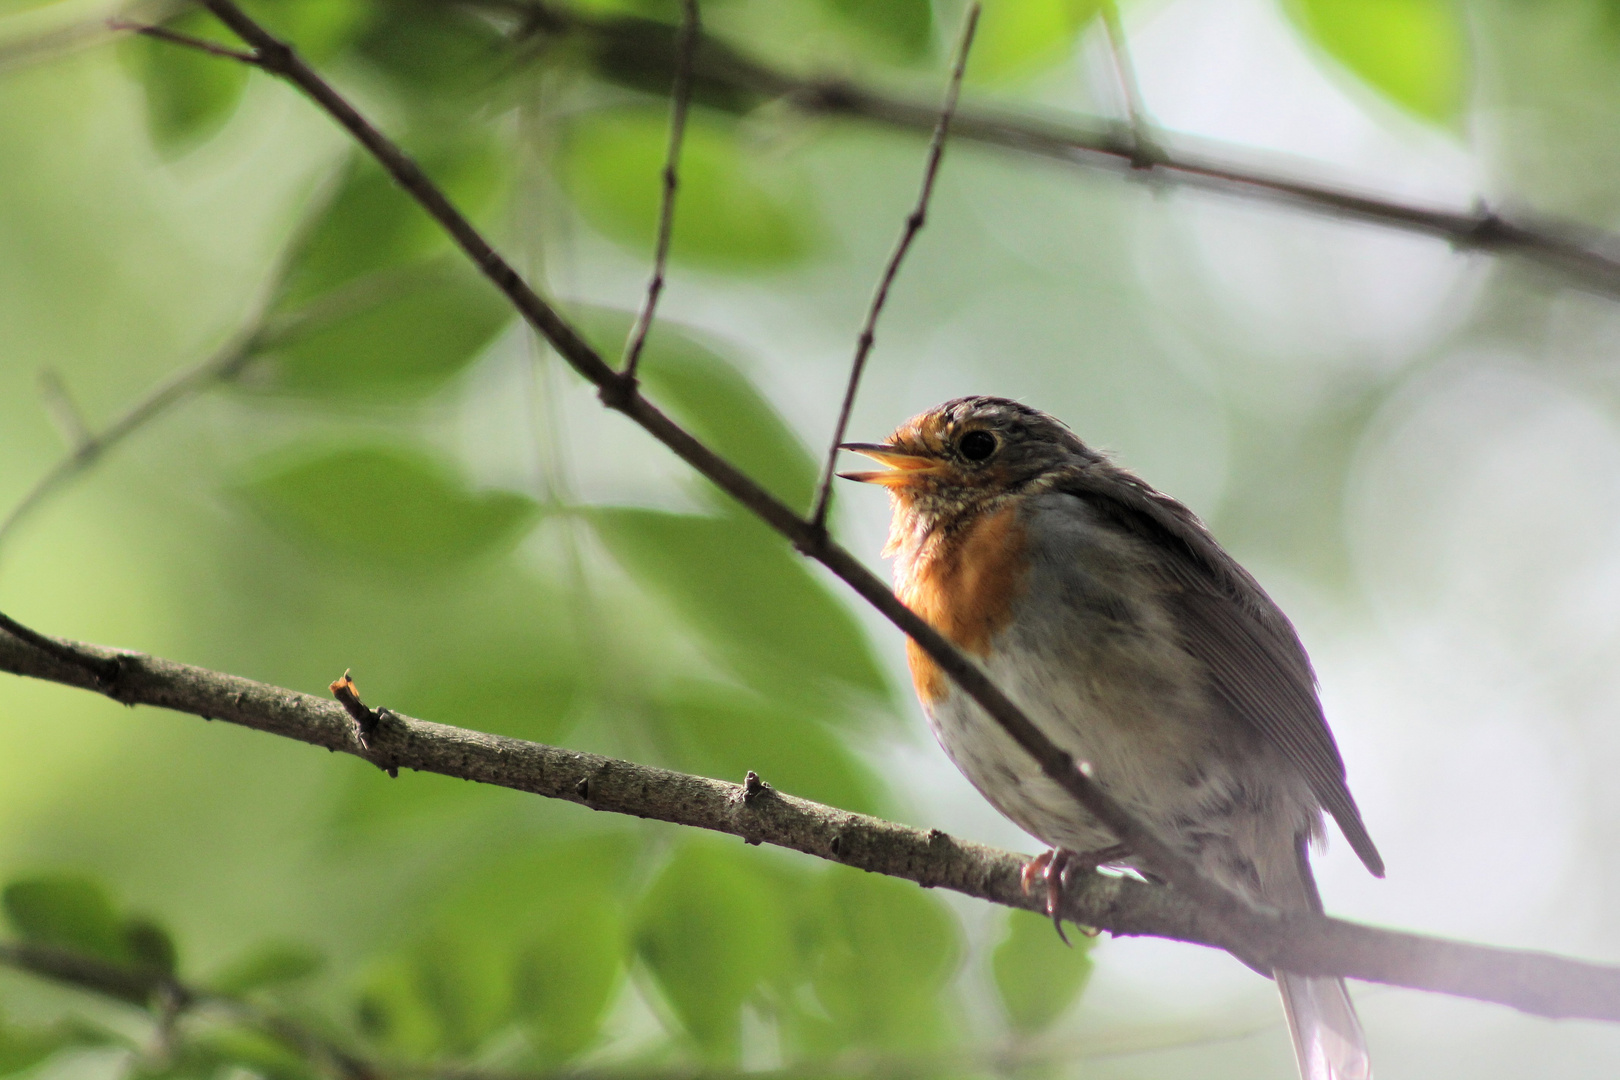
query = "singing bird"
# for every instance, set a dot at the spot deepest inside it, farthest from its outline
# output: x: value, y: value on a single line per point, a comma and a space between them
x: 1108, y: 612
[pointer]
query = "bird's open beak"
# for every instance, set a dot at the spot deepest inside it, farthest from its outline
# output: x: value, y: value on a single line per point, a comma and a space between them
x: 904, y: 468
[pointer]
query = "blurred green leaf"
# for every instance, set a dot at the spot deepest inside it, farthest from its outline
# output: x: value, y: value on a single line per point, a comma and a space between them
x: 709, y: 395
x: 534, y: 937
x: 722, y: 732
x: 756, y: 603
x: 434, y: 52
x: 67, y: 911
x: 904, y: 28
x: 215, y: 1051
x: 149, y: 945
x: 189, y: 94
x: 392, y: 1011
x: 1413, y: 51
x: 319, y: 29
x: 21, y: 1048
x: 710, y: 933
x: 736, y: 211
x: 384, y: 507
x: 1037, y: 976
x: 371, y: 225
x: 1022, y: 37
x: 886, y: 962
x: 386, y: 335
x: 272, y: 964
x: 568, y: 972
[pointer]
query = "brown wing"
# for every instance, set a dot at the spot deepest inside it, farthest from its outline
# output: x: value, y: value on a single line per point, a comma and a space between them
x: 1254, y: 657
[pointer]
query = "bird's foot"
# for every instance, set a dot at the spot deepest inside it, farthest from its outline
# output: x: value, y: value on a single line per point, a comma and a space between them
x: 1057, y: 868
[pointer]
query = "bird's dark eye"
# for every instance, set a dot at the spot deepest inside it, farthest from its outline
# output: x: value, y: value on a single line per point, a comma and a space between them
x: 977, y: 445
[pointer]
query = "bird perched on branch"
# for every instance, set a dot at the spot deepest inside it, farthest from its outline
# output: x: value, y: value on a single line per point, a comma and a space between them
x: 1135, y: 643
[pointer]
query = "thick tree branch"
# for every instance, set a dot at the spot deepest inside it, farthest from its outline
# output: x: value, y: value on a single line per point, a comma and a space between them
x: 624, y: 45
x: 1536, y: 983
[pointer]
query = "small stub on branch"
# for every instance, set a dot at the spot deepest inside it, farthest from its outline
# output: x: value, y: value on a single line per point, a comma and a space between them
x: 366, y: 720
x: 753, y: 787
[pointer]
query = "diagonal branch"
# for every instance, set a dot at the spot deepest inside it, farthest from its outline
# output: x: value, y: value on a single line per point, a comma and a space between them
x: 220, y: 366
x: 681, y: 98
x: 1248, y: 929
x: 914, y: 223
x: 1536, y: 983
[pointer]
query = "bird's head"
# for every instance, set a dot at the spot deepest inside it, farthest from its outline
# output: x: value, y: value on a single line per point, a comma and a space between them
x: 959, y: 458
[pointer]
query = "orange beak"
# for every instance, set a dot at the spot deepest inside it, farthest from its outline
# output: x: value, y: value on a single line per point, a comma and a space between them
x: 904, y: 467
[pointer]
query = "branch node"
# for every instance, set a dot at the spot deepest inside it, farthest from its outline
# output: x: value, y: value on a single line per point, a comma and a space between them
x: 583, y: 789
x: 366, y: 720
x: 619, y: 391
x: 753, y: 788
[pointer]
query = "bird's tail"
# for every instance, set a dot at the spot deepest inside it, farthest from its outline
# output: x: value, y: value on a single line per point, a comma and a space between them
x: 1327, y: 1035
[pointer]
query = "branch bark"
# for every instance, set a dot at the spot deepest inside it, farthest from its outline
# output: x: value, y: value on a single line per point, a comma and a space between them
x: 1536, y: 983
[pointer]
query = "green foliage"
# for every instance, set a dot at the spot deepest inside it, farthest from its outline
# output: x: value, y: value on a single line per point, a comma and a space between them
x: 707, y: 393
x: 1036, y: 975
x: 23, y: 1047
x: 1415, y: 52
x: 271, y: 965
x: 905, y: 28
x: 322, y: 29
x: 759, y: 609
x: 709, y: 941
x: 69, y: 912
x: 387, y: 335
x: 534, y: 941
x: 737, y: 211
x: 1021, y: 37
x: 189, y: 94
x: 886, y: 962
x: 385, y: 508
x: 718, y: 731
x: 434, y: 52
x: 369, y: 224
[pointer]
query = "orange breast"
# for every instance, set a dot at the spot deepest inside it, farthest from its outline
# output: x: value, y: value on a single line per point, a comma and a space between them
x: 965, y: 587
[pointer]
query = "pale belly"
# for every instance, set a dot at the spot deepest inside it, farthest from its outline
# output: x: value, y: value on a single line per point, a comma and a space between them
x: 1109, y: 684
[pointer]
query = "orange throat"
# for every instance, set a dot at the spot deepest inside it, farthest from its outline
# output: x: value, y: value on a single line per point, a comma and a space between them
x: 965, y: 581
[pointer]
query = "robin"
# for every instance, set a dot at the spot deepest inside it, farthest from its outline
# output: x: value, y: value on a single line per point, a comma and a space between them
x: 1135, y: 643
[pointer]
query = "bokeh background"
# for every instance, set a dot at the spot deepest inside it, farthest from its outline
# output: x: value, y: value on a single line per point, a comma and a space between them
x: 1416, y: 450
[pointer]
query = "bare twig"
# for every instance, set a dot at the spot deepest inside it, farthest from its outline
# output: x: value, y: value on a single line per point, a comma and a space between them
x: 1147, y: 152
x: 1583, y: 254
x: 174, y: 37
x: 63, y: 410
x: 1246, y: 927
x: 680, y: 101
x: 1537, y: 983
x: 914, y: 224
x: 222, y: 365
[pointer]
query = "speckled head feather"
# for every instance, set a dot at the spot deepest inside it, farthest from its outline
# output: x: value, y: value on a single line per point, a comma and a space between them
x: 958, y: 460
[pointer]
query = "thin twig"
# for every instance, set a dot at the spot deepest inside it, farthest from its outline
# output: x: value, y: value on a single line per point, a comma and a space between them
x: 174, y: 37
x: 680, y: 101
x: 1147, y: 149
x: 914, y: 224
x: 1247, y: 927
x: 1311, y: 944
x: 222, y: 365
x: 63, y: 410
